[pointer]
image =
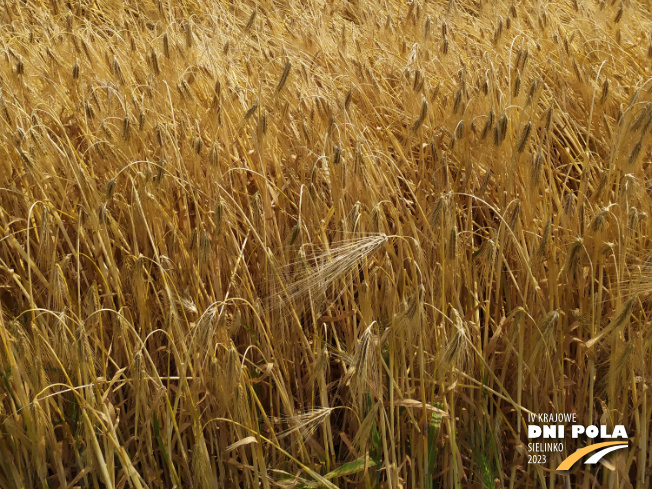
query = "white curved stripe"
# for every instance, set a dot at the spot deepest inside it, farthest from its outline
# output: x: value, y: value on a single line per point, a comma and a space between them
x: 598, y: 455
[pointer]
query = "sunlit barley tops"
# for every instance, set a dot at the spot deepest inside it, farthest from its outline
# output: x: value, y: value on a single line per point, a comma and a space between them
x: 321, y: 244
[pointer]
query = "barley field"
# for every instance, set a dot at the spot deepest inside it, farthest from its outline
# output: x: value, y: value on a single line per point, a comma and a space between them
x: 322, y: 243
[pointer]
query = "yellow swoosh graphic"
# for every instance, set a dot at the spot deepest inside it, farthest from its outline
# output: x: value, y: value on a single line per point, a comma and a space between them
x: 570, y: 461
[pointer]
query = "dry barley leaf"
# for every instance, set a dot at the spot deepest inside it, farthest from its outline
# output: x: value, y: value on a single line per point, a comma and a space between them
x: 413, y: 403
x: 267, y: 370
x: 607, y: 464
x: 241, y: 443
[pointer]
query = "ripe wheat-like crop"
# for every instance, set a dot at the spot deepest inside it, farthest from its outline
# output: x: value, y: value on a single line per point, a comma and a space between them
x: 322, y: 243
